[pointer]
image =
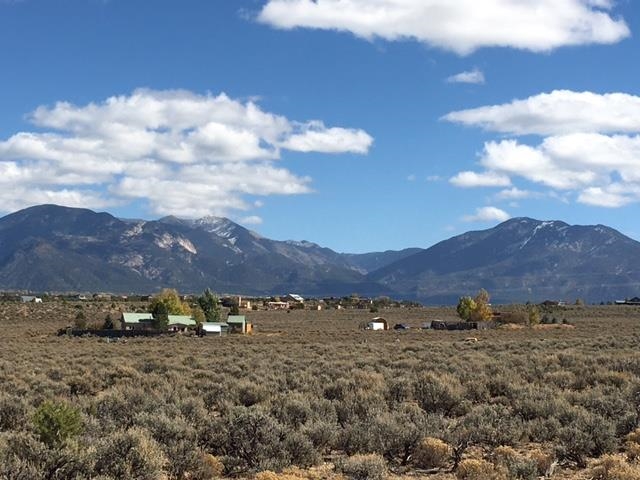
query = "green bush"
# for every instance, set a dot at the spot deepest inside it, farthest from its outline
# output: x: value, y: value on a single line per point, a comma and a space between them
x: 56, y: 422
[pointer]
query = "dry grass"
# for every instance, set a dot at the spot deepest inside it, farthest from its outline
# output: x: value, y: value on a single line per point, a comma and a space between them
x: 313, y: 385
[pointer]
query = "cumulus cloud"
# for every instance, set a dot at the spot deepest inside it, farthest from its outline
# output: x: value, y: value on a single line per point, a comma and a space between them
x: 487, y: 214
x: 556, y: 113
x: 474, y: 76
x: 590, y: 144
x: 485, y: 179
x: 181, y: 152
x: 515, y: 193
x: 462, y: 26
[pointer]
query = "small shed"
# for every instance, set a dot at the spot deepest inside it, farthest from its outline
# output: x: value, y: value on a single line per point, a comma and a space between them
x: 378, y: 323
x: 136, y: 321
x: 215, y: 327
x: 239, y: 324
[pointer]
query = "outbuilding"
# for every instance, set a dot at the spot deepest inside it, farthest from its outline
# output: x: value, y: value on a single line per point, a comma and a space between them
x: 378, y: 323
x: 215, y: 327
x: 239, y: 324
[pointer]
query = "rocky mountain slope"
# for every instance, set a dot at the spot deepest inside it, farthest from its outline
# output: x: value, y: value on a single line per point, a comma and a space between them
x: 56, y: 248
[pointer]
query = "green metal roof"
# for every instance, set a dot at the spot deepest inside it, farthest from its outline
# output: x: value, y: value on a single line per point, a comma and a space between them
x: 181, y: 320
x: 236, y: 319
x: 136, y: 317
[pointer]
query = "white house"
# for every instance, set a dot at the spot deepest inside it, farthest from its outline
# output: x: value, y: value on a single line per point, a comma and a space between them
x: 294, y: 297
x: 30, y: 299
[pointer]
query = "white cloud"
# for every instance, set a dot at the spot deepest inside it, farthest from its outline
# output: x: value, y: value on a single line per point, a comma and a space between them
x: 462, y: 26
x: 251, y: 220
x: 434, y: 178
x: 411, y: 178
x: 474, y: 76
x: 515, y: 193
x: 486, y: 179
x: 557, y: 113
x: 315, y: 137
x: 183, y: 153
x: 487, y: 214
x: 590, y: 144
x: 600, y: 197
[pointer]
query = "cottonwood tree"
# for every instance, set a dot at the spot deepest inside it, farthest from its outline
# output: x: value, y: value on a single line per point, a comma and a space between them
x: 475, y: 309
x: 171, y: 300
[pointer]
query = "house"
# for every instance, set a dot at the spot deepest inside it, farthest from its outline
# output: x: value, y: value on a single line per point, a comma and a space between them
x: 378, y: 323
x: 30, y: 299
x: 180, y: 322
x: 629, y: 301
x: 293, y: 297
x: 239, y: 324
x: 215, y: 327
x: 144, y: 321
x: 277, y: 305
x: 136, y: 321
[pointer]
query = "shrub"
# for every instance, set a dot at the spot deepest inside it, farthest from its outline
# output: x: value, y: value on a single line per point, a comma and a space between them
x: 12, y: 412
x: 431, y: 453
x: 437, y: 394
x: 130, y: 454
x: 216, y: 467
x: 363, y: 467
x: 56, y: 422
x: 588, y: 436
x: 543, y: 460
x: 478, y: 469
x: 613, y: 467
x: 517, y: 465
x: 254, y: 440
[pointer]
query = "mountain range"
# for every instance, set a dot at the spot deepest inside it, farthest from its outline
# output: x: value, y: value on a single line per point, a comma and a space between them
x: 54, y: 248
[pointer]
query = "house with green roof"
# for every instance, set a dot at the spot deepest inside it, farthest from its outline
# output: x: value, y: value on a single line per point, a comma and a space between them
x: 144, y: 321
x: 239, y: 324
x: 136, y: 321
x: 180, y: 322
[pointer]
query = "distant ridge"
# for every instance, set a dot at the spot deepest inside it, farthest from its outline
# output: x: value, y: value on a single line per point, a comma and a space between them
x: 522, y: 259
x: 54, y: 248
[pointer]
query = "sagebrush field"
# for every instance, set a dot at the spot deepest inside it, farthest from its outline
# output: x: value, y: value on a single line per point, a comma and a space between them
x: 312, y: 395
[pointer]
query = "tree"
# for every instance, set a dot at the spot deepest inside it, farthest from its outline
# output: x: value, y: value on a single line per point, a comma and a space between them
x: 108, y: 323
x: 208, y: 302
x: 466, y: 307
x: 234, y: 310
x: 197, y: 314
x: 534, y: 315
x: 80, y: 321
x: 171, y: 300
x: 475, y: 309
x: 482, y: 312
x: 160, y: 316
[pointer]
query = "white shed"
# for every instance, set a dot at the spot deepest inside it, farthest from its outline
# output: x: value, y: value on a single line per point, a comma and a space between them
x: 375, y: 326
x: 215, y: 327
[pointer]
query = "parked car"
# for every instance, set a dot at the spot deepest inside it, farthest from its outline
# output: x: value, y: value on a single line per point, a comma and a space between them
x: 401, y: 326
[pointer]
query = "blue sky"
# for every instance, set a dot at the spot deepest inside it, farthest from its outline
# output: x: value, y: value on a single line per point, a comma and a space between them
x: 355, y: 125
